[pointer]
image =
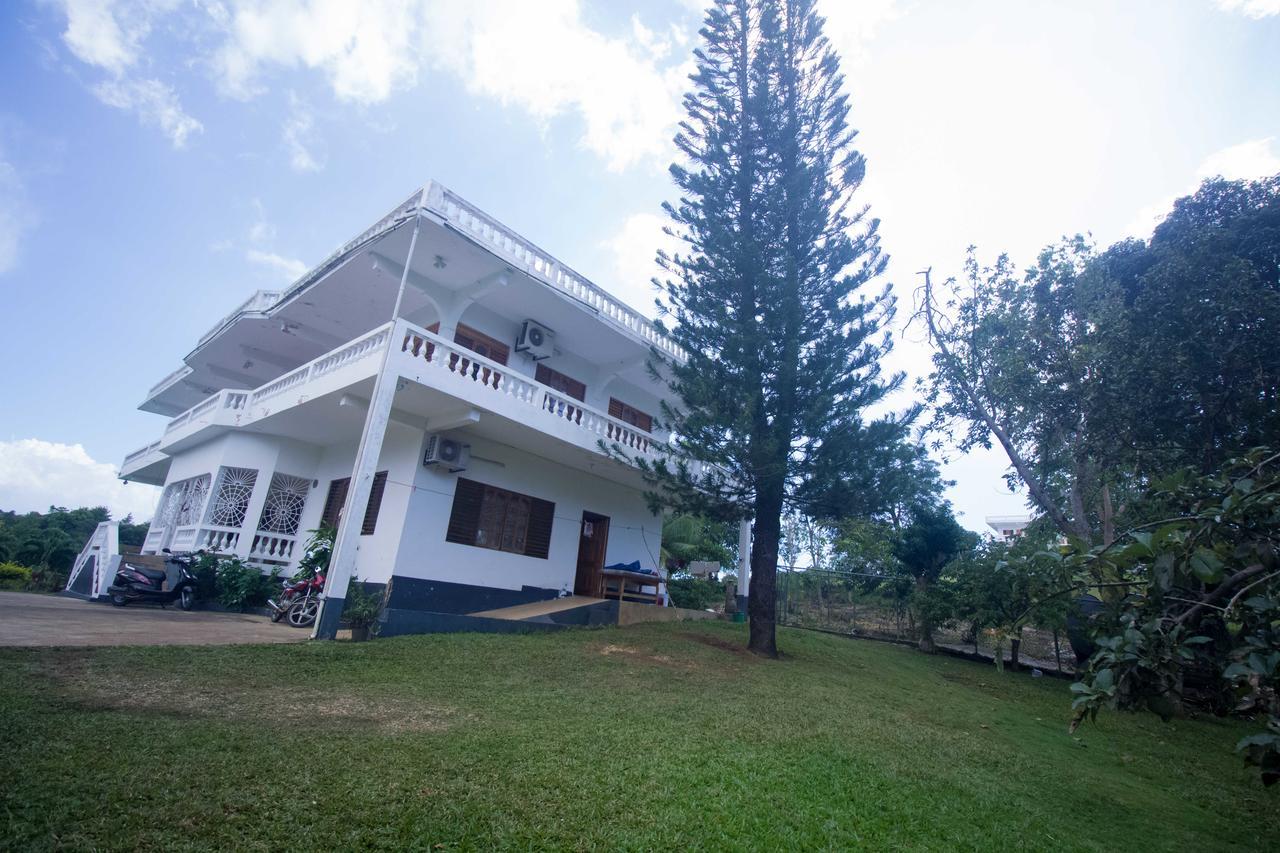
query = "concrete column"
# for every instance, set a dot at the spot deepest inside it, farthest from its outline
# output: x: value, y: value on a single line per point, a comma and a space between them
x: 343, y: 563
x: 744, y: 564
x: 257, y: 501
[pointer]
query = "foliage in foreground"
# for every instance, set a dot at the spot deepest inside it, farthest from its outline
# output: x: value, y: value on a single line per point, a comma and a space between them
x: 1193, y: 605
x: 467, y: 742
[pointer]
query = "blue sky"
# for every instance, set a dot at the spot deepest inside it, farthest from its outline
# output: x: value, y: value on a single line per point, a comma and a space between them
x: 160, y: 160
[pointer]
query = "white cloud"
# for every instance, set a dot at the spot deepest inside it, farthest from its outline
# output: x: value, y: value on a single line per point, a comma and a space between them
x: 298, y: 134
x: 155, y: 103
x: 851, y: 25
x: 364, y: 48
x: 1256, y: 9
x: 36, y: 474
x: 15, y: 216
x: 290, y: 269
x: 96, y: 37
x: 1256, y: 158
x: 632, y: 250
x: 544, y: 59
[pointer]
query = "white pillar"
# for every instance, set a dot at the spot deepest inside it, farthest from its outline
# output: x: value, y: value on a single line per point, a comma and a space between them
x: 744, y: 563
x: 343, y: 562
x: 253, y: 512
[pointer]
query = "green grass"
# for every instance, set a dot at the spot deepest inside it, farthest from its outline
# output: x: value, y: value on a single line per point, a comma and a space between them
x: 654, y: 736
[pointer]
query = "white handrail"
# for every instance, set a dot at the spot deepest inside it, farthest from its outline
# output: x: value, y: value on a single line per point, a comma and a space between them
x: 466, y: 366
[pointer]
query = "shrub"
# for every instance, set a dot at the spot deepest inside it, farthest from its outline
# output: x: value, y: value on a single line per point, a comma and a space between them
x: 362, y: 607
x: 231, y: 582
x: 14, y: 577
x: 46, y: 579
x: 695, y: 593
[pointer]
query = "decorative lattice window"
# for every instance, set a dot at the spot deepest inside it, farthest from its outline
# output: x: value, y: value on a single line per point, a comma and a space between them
x: 283, y: 510
x: 183, y: 502
x: 231, y: 499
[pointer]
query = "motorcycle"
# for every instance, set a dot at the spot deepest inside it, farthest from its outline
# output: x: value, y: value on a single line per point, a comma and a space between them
x: 298, y: 602
x: 136, y: 581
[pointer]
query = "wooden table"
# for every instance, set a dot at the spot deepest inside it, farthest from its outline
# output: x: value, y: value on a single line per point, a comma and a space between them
x: 640, y: 579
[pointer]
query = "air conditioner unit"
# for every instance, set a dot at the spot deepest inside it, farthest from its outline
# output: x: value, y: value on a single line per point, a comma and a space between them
x: 534, y: 341
x: 449, y: 452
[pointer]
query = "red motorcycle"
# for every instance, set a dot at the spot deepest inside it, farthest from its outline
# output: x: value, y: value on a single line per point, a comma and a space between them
x: 298, y: 602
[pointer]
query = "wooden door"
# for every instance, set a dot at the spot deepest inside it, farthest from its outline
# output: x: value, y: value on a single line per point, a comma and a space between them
x: 593, y: 538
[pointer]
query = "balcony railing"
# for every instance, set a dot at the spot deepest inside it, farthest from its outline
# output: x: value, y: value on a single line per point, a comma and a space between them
x: 488, y: 231
x: 258, y: 303
x: 141, y: 452
x: 460, y: 368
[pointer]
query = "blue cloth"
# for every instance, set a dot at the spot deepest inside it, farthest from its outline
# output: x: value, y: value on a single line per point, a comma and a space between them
x: 632, y: 567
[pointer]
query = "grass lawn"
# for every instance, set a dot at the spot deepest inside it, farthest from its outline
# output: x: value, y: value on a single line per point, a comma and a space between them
x: 654, y: 736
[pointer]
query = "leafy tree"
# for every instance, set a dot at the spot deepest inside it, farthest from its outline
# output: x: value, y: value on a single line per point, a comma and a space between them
x: 1002, y: 588
x: 782, y: 356
x: 1099, y: 373
x: 1200, y: 622
x: 686, y: 538
x: 924, y: 549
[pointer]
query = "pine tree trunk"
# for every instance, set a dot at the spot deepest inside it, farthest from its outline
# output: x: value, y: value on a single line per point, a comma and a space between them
x: 762, y: 599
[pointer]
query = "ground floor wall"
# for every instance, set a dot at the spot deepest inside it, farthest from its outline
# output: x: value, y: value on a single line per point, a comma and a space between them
x: 431, y: 573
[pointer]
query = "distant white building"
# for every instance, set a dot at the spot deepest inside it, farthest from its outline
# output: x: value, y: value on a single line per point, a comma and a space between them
x: 1008, y: 527
x: 461, y: 436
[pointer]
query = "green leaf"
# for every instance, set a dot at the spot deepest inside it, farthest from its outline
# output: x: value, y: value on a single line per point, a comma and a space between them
x: 1206, y: 566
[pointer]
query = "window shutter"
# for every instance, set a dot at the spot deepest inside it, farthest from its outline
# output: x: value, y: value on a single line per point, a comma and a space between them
x: 370, y: 523
x: 482, y: 344
x: 630, y: 415
x: 333, y: 502
x: 560, y: 382
x: 465, y: 517
x: 538, y: 541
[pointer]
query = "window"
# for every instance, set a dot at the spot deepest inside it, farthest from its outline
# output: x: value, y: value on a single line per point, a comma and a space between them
x: 489, y: 517
x: 557, y: 381
x: 629, y: 415
x: 337, y: 496
x: 481, y: 344
x: 282, y: 510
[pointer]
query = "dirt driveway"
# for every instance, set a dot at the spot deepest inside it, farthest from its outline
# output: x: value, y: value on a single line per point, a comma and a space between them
x: 53, y: 620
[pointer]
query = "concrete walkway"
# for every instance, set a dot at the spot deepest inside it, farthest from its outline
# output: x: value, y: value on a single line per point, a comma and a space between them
x: 52, y: 620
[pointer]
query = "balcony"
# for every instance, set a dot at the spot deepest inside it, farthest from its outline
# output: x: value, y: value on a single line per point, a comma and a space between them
x: 448, y: 375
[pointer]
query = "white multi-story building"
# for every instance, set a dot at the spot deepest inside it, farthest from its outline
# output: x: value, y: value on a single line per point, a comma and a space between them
x: 442, y: 391
x: 1008, y: 527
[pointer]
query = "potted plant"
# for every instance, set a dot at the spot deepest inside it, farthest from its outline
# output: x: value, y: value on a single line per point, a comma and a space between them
x: 361, y: 610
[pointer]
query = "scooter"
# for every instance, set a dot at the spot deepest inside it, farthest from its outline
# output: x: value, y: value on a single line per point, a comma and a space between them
x: 135, y: 581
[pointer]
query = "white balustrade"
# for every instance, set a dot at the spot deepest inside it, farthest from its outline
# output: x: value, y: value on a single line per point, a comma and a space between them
x: 154, y: 540
x: 503, y: 240
x: 184, y: 539
x: 272, y: 546
x: 221, y: 539
x: 141, y: 452
x: 458, y: 364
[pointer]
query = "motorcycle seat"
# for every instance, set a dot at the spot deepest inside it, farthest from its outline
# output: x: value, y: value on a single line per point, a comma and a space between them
x: 154, y: 574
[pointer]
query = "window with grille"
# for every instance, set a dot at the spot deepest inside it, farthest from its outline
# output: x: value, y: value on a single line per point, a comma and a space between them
x: 282, y: 511
x: 231, y: 498
x: 489, y: 517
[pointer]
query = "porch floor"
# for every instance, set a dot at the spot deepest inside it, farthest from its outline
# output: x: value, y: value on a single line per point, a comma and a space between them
x: 537, y: 608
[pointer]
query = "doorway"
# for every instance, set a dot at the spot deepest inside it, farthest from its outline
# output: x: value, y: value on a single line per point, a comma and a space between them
x: 593, y: 538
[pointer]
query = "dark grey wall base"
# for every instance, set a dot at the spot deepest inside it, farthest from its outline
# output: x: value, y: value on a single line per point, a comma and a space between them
x: 330, y: 616
x: 395, y: 623
x: 445, y: 597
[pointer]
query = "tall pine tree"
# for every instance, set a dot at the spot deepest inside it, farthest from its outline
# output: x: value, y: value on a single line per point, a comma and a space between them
x: 783, y: 350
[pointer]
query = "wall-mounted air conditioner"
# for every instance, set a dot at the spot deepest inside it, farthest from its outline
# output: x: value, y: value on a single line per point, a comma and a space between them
x: 534, y: 341
x: 449, y: 452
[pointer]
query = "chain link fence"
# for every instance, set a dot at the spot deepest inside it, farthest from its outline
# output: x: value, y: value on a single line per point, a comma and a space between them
x: 876, y: 606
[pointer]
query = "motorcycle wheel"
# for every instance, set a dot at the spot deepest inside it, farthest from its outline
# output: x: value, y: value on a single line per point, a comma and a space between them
x: 118, y: 599
x: 303, y: 614
x: 187, y: 598
x: 277, y: 614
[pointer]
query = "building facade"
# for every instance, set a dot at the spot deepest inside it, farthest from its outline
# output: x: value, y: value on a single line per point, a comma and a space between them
x: 450, y: 397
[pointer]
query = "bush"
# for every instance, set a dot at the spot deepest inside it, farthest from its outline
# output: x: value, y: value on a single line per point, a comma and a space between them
x: 46, y: 579
x: 362, y: 607
x: 231, y: 582
x: 695, y: 593
x: 14, y: 577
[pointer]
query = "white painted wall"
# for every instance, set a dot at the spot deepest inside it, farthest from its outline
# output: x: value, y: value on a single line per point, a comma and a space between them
x: 634, y: 533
